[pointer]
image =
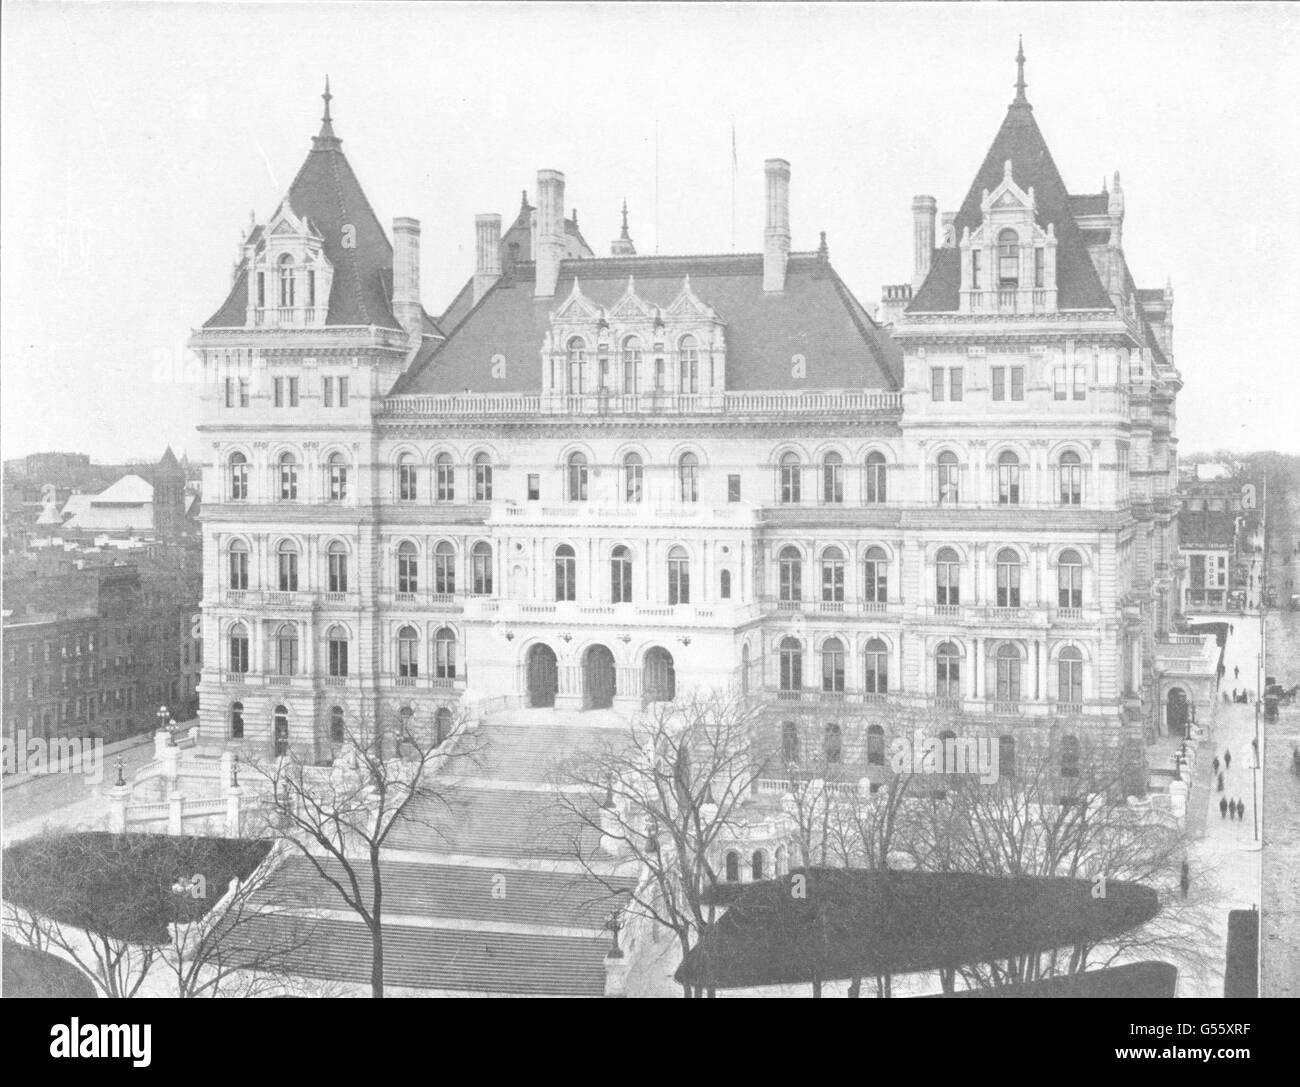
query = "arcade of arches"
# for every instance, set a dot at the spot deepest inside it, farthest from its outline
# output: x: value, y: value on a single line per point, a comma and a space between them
x: 596, y: 680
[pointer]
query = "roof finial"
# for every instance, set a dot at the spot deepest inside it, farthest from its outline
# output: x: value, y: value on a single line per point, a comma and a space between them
x: 327, y: 96
x: 1020, y: 72
x: 326, y: 138
x: 625, y: 233
x: 823, y: 251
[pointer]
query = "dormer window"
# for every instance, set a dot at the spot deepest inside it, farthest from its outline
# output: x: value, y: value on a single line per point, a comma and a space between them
x: 577, y: 360
x: 1039, y: 268
x: 1008, y: 259
x: 286, y: 281
x: 690, y: 365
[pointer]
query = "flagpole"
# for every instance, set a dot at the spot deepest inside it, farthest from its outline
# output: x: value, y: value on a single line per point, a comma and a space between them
x: 656, y: 186
x: 733, y: 184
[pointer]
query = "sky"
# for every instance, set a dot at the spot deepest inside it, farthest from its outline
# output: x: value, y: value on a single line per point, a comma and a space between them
x: 137, y: 138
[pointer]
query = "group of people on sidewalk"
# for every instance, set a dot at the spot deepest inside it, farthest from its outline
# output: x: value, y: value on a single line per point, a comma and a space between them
x: 1235, y: 807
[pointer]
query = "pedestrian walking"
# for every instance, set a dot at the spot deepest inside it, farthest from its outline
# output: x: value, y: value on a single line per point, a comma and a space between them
x: 1223, y: 807
x: 1214, y: 766
x: 1241, y: 808
x: 1227, y: 760
x: 1236, y: 671
x: 1185, y: 880
x: 1220, y: 782
x: 1254, y: 747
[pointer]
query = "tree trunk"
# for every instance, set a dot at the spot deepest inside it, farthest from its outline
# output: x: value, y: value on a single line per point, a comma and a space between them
x: 376, y: 929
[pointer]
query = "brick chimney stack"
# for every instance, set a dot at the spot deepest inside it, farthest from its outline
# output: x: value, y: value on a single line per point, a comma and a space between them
x: 924, y: 209
x: 406, y: 278
x: 776, y: 238
x: 550, y: 231
x: 487, y: 253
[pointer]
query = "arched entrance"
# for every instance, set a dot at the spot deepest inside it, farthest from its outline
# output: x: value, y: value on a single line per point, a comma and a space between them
x: 1176, y: 712
x: 543, y: 676
x: 598, y: 680
x: 658, y: 676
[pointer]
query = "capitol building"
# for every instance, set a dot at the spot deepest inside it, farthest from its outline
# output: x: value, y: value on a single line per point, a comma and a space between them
x: 593, y: 482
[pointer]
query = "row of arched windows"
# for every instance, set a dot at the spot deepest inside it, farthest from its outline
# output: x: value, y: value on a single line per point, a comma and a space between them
x: 408, y: 658
x: 1007, y: 471
x: 578, y: 378
x: 758, y: 867
x: 336, y: 727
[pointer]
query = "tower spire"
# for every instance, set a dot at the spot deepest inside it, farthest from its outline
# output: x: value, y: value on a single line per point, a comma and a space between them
x: 625, y: 233
x: 1020, y: 98
x: 623, y: 246
x: 326, y: 137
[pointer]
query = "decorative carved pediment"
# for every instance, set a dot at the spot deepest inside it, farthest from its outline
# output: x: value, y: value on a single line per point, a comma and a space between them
x: 686, y: 304
x: 631, y: 306
x: 576, y: 307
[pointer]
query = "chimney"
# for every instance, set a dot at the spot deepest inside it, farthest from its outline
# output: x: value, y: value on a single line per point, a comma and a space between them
x: 924, y: 209
x: 550, y: 231
x: 487, y: 248
x: 948, y: 222
x: 406, y: 277
x: 776, y: 239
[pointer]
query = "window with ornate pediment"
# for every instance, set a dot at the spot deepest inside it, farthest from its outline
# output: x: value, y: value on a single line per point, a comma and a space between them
x: 689, y: 356
x: 1008, y: 258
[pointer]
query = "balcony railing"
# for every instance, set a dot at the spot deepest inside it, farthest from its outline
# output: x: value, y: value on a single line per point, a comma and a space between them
x: 1069, y: 615
x: 789, y: 605
x: 950, y: 610
x: 831, y: 607
x: 777, y: 402
x: 289, y: 316
x: 1067, y: 709
x: 1005, y: 708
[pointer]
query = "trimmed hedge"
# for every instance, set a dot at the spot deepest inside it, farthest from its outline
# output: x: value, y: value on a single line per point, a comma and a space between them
x: 120, y: 885
x: 33, y: 974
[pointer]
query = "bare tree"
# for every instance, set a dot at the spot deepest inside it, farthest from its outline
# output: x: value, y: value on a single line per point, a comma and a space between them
x: 663, y: 799
x: 340, y: 817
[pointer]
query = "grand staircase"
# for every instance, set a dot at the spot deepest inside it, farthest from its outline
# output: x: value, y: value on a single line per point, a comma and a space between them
x: 481, y: 890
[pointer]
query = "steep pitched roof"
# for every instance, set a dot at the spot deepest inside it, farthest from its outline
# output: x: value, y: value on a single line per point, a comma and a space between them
x: 327, y: 192
x: 815, y: 316
x: 130, y: 490
x: 1019, y: 139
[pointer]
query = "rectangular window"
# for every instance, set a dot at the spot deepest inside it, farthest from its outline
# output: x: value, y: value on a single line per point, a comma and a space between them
x: 343, y: 391
x: 733, y: 488
x: 954, y: 383
x: 293, y: 392
x: 1038, y: 269
x: 999, y: 376
x: 534, y: 488
x: 1058, y: 383
x: 327, y: 392
x: 1080, y: 382
x: 311, y: 288
x: 338, y: 657
x: 975, y: 269
x: 261, y: 290
x: 936, y: 384
x: 230, y: 392
x: 277, y: 385
x: 1017, y: 383
x: 338, y: 573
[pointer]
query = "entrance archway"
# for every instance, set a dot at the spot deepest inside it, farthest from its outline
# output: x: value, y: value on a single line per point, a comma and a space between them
x: 1176, y: 712
x: 598, y: 678
x: 543, y: 676
x: 658, y: 676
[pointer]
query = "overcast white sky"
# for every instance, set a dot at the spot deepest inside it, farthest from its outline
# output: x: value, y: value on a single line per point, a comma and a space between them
x: 137, y: 138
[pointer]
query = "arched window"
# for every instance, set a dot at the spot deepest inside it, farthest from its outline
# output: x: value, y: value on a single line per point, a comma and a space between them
x: 577, y: 478
x: 791, y: 478
x: 337, y: 470
x: 875, y: 576
x: 238, y: 565
x: 791, y: 666
x: 949, y: 472
x: 1006, y: 756
x: 782, y: 863
x: 832, y: 479
x: 1008, y: 479
x: 408, y: 652
x: 688, y: 475
x: 577, y: 361
x: 287, y: 567
x: 631, y: 364
x: 1069, y: 756
x: 444, y: 568
x: 679, y: 576
x: 280, y: 731
x: 337, y: 558
x: 790, y: 570
x: 947, y: 577
x: 1008, y: 667
x: 338, y: 731
x: 744, y: 669
x: 947, y: 671
x: 756, y: 871
x: 408, y: 568
x: 444, y: 477
x: 408, y: 476
x: 1069, y: 675
x: 689, y: 356
x: 238, y: 477
x: 875, y: 745
x: 832, y: 743
x: 833, y: 666
x: 876, y: 676
x: 337, y: 645
x: 286, y: 650
x: 236, y: 720
x: 789, y: 743
x: 658, y: 676
x: 482, y: 478
x: 724, y: 585
x: 1008, y: 579
x: 633, y: 477
x: 286, y: 281
x: 441, y: 726
x: 876, y: 475
x: 288, y: 477
x: 620, y: 575
x: 1008, y: 259
x: 239, y: 649
x: 833, y: 576
x: 566, y: 573
x: 733, y: 866
x: 481, y: 568
x: 444, y: 654
x: 1071, y: 470
x: 1069, y: 580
